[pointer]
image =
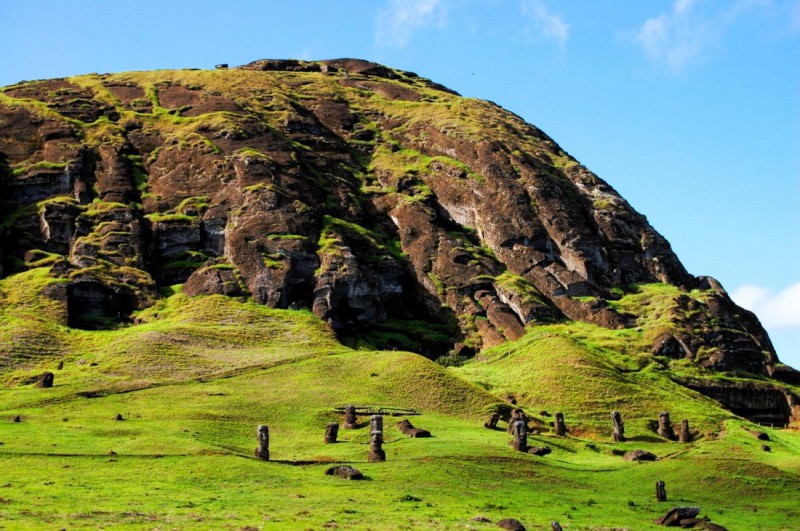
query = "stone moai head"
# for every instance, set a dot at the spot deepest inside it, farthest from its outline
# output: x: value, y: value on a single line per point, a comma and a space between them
x: 331, y: 432
x: 560, y: 427
x: 349, y: 417
x: 376, y: 423
x: 262, y: 452
x: 46, y: 380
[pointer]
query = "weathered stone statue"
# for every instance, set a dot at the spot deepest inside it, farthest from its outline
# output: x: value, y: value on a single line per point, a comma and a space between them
x: 262, y: 452
x: 661, y: 491
x: 376, y: 423
x: 555, y: 526
x: 619, y: 427
x: 665, y: 426
x: 46, y: 380
x: 349, y: 417
x: 376, y: 452
x: 685, y: 435
x: 520, y: 432
x: 516, y: 415
x: 560, y: 427
x: 331, y: 432
x: 408, y: 429
x: 492, y: 422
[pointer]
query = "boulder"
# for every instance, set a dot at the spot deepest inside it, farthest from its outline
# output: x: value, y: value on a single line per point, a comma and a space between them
x: 639, y: 455
x: 344, y: 471
x: 511, y: 524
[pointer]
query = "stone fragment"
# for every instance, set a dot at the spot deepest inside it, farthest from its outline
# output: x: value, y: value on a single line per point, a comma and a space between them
x: 408, y: 429
x: 665, y: 426
x: 491, y: 423
x: 46, y: 380
x: 262, y: 452
x: 119, y: 417
x: 16, y: 418
x: 685, y: 435
x: 661, y: 491
x: 331, y: 432
x: 619, y: 427
x: 560, y: 427
x: 639, y: 455
x: 350, y: 417
x: 344, y: 471
x: 766, y: 448
x: 512, y: 524
x: 760, y: 435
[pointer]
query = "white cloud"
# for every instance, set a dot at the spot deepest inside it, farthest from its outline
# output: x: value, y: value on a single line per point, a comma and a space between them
x: 397, y: 22
x: 548, y: 25
x: 775, y: 310
x: 684, y: 34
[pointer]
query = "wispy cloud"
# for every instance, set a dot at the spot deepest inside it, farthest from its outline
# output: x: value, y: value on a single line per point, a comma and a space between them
x: 684, y: 34
x: 400, y: 19
x: 547, y: 24
x: 775, y: 310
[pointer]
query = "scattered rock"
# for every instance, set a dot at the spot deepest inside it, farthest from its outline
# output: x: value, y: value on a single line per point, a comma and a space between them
x: 60, y: 365
x: 766, y: 448
x: 639, y: 455
x: 344, y: 471
x: 119, y: 417
x: 221, y: 66
x: 16, y: 418
x: 512, y: 524
x: 480, y: 519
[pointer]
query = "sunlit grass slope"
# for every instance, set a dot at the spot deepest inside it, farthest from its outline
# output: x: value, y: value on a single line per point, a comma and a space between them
x: 195, y: 376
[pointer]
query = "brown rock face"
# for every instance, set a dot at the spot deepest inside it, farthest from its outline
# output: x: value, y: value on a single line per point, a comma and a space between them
x: 396, y: 210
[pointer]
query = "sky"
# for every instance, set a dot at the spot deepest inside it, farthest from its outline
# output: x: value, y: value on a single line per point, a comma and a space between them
x: 689, y: 108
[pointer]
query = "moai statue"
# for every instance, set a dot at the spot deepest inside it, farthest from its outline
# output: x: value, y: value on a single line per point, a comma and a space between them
x: 492, y: 422
x: 516, y: 415
x: 555, y: 526
x: 350, y: 417
x: 685, y: 435
x: 376, y: 423
x: 46, y: 380
x: 331, y: 432
x: 376, y: 452
x: 665, y: 427
x: 619, y: 427
x: 520, y: 432
x: 262, y: 452
x: 560, y: 427
x: 661, y: 491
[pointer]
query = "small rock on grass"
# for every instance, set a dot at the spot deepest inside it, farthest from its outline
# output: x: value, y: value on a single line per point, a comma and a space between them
x: 512, y: 524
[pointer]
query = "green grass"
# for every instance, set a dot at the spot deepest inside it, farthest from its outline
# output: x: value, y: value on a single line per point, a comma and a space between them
x: 196, y: 376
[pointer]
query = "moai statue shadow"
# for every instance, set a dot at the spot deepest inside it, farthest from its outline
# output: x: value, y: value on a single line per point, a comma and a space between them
x: 619, y: 427
x: 665, y: 426
x: 331, y: 432
x: 684, y: 435
x: 559, y: 426
x: 350, y: 418
x: 262, y: 452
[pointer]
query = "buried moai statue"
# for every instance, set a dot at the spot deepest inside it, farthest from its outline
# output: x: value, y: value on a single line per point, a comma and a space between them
x: 350, y: 417
x: 665, y: 426
x: 46, y: 380
x: 262, y: 452
x: 685, y: 435
x: 560, y: 427
x: 331, y: 432
x: 520, y: 432
x: 491, y: 423
x: 619, y: 427
x: 661, y: 491
x: 376, y: 452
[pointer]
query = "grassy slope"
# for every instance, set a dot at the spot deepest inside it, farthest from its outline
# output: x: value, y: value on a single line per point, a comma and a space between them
x: 192, y: 394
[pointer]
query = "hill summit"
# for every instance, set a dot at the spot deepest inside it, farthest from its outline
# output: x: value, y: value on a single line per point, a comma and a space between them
x: 402, y: 214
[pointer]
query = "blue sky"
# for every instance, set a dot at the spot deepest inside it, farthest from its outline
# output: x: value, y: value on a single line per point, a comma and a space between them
x: 689, y: 108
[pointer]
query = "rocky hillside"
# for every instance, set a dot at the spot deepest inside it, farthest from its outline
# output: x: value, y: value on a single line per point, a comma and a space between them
x: 401, y: 213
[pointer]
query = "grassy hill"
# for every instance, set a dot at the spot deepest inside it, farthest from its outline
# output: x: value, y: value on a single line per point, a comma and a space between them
x: 195, y: 376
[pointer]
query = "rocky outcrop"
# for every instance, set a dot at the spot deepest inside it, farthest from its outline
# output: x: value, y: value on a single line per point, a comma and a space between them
x: 369, y: 195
